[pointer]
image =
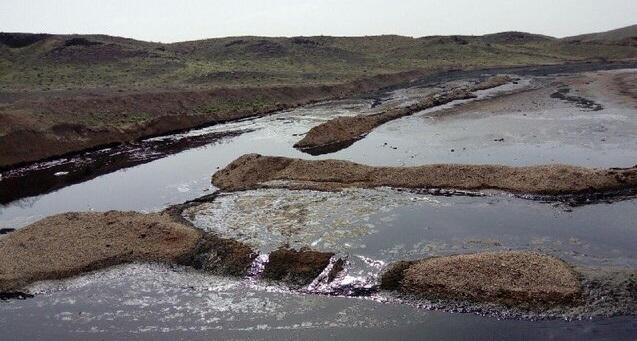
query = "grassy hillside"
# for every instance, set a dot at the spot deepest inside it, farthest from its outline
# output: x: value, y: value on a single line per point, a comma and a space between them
x: 621, y: 34
x: 71, y: 62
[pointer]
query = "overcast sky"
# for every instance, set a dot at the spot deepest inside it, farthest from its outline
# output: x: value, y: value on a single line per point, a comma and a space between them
x: 175, y: 20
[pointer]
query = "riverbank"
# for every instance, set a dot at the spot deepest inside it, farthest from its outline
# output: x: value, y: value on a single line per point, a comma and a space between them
x: 45, y: 128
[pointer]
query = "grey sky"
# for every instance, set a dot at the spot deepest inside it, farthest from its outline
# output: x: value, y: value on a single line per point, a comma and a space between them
x: 168, y: 21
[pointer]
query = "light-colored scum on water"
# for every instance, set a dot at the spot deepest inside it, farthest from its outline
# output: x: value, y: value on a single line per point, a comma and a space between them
x: 267, y: 219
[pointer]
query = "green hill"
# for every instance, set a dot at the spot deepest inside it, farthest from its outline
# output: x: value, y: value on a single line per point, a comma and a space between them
x: 620, y: 34
x: 69, y: 62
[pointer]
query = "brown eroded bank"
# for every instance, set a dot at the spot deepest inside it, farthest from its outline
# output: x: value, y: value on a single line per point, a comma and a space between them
x: 256, y: 171
x: 39, y: 128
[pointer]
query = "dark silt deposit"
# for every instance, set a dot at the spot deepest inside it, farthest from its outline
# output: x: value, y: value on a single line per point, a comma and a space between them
x: 14, y: 296
x: 581, y: 102
x: 298, y: 268
x: 46, y: 177
x: 222, y: 256
x: 6, y: 230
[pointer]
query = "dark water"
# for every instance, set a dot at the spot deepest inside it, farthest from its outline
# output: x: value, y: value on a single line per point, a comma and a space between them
x: 368, y: 227
x: 388, y: 225
x: 599, y: 139
x: 153, y: 302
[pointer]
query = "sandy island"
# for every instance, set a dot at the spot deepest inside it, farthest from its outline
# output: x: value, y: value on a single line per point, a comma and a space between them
x: 253, y: 171
x: 340, y: 132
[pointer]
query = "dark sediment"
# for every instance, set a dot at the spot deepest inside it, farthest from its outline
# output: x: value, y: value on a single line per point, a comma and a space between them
x: 338, y: 266
x: 21, y: 183
x: 222, y: 256
x: 392, y: 277
x: 296, y: 268
x: 610, y: 292
x: 341, y: 132
x: 580, y: 102
x: 253, y: 171
x: 16, y: 295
